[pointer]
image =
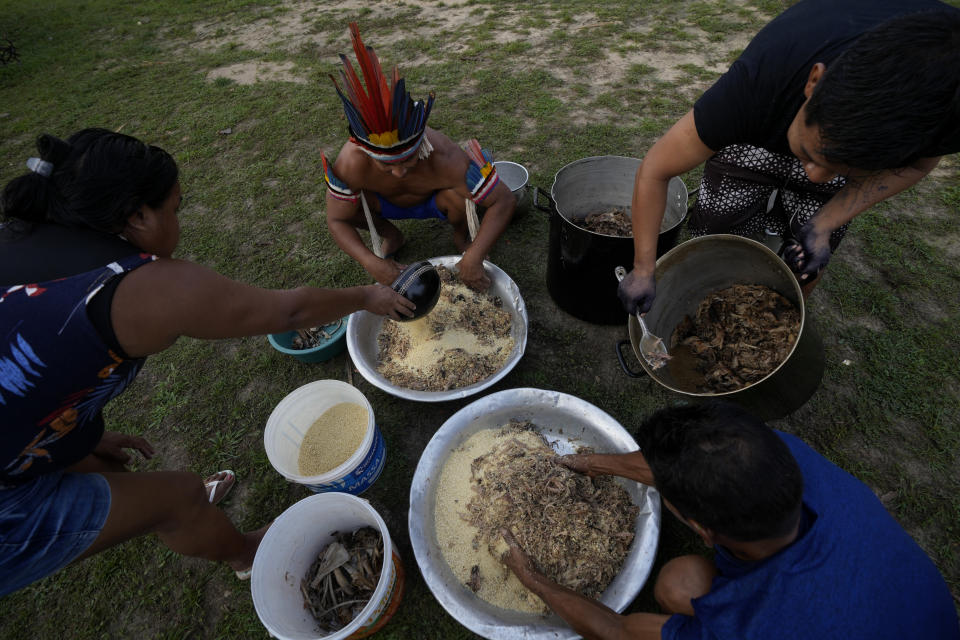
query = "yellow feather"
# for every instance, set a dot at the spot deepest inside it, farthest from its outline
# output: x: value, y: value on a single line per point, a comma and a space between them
x: 385, y: 139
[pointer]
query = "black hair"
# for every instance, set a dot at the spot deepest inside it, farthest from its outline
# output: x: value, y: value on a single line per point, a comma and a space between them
x: 724, y: 468
x: 893, y: 95
x: 100, y: 178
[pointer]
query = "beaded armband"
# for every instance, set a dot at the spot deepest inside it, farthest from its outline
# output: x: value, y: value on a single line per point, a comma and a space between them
x: 337, y: 187
x: 481, y: 175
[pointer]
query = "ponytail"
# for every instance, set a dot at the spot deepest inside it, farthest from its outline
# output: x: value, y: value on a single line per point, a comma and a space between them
x: 28, y: 198
x: 98, y: 179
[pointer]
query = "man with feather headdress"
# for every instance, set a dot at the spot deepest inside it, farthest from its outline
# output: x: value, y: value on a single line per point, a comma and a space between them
x: 395, y: 167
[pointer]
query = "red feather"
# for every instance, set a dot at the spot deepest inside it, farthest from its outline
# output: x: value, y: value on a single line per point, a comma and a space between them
x: 376, y: 120
x: 386, y: 96
x: 353, y: 88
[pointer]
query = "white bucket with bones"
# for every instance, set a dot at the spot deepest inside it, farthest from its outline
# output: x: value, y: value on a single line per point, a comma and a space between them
x: 290, y: 547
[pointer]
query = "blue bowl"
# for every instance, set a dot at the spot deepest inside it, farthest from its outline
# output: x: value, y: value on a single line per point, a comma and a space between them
x: 328, y: 348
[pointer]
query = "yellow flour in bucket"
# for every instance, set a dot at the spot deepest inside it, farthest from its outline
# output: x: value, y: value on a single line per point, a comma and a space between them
x: 332, y: 438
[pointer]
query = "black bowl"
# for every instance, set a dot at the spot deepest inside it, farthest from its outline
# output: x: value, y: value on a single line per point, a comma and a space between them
x: 419, y: 283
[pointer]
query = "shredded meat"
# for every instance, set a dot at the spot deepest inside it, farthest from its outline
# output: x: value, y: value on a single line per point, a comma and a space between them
x: 739, y: 335
x: 615, y: 222
x: 576, y: 529
x: 459, y: 307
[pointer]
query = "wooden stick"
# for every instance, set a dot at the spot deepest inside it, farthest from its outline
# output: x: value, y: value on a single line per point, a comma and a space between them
x: 374, y: 236
x: 473, y: 223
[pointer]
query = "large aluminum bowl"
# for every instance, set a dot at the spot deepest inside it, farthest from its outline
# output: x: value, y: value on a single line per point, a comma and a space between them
x: 363, y: 328
x: 567, y: 422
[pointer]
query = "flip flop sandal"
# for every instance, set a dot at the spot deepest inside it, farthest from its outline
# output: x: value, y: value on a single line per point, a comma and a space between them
x: 213, y: 486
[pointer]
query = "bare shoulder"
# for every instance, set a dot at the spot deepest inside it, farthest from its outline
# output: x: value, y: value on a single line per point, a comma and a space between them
x: 447, y: 158
x: 164, y: 274
x: 352, y: 165
x: 441, y: 142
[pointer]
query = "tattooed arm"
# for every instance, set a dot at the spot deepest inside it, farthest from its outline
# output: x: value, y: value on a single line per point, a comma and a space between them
x: 859, y: 194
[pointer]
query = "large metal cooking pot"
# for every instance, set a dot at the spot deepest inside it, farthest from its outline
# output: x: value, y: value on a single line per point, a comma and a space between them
x: 567, y: 422
x: 686, y: 275
x: 364, y: 327
x: 580, y: 261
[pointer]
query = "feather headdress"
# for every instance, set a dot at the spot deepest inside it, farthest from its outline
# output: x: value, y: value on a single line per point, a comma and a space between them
x: 385, y: 122
x: 481, y: 175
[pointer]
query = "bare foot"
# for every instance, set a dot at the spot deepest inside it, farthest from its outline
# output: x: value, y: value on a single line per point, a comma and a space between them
x: 391, y: 237
x: 461, y: 238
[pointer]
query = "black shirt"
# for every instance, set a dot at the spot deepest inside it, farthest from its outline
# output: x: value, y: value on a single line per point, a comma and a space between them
x: 755, y: 101
x: 49, y: 251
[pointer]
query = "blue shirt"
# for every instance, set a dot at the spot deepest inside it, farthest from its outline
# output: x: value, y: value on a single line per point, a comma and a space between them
x: 853, y: 572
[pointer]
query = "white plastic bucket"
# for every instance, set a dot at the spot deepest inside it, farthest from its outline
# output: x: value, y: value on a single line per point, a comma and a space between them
x: 292, y: 418
x: 290, y: 546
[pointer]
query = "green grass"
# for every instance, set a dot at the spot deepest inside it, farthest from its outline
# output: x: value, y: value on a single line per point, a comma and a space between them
x: 532, y: 82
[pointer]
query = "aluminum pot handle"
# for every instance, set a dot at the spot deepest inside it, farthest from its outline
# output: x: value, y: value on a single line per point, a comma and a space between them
x: 553, y: 205
x: 623, y: 363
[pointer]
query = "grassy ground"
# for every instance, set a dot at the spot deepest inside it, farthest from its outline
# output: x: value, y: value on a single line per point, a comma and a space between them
x: 238, y: 92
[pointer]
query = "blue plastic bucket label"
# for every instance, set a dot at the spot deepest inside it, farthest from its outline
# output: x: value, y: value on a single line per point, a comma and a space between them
x: 364, y: 474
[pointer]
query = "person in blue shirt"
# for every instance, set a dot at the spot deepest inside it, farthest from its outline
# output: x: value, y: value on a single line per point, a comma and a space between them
x: 803, y: 550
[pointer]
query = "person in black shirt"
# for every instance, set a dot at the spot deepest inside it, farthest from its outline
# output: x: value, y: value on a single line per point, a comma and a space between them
x: 833, y: 107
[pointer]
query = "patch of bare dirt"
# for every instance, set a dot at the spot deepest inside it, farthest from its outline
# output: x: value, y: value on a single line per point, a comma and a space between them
x: 217, y: 593
x: 254, y: 72
x: 253, y: 390
x: 893, y: 451
x: 948, y: 243
x: 295, y: 24
x: 947, y: 168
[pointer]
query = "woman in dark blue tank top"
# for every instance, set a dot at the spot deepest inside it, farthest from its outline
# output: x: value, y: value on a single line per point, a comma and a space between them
x: 88, y: 290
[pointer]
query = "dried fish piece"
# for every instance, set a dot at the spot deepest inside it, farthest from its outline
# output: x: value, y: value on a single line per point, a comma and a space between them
x: 342, y: 579
x: 332, y: 557
x: 739, y: 335
x: 315, y: 336
x: 474, y: 582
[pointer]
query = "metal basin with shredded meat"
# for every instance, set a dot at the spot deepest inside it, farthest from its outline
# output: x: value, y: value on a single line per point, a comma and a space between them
x: 694, y: 270
x: 567, y: 423
x: 363, y: 329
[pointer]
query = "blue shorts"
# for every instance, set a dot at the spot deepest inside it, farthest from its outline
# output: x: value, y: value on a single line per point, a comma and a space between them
x: 423, y: 211
x: 47, y: 522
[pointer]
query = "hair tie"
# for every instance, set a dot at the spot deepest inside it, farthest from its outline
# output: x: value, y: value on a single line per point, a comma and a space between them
x: 42, y: 167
